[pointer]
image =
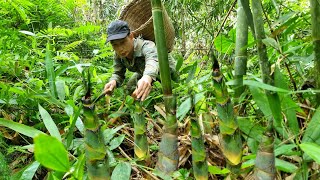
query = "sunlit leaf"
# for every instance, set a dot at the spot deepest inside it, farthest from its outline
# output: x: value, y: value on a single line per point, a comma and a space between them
x: 312, y: 150
x: 285, y: 166
x: 216, y: 170
x: 20, y: 128
x: 49, y: 123
x: 50, y: 152
x: 116, y: 142
x: 121, y: 172
x: 312, y: 133
x: 30, y: 171
x: 60, y: 85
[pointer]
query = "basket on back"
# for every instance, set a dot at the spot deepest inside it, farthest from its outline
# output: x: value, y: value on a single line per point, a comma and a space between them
x: 138, y: 14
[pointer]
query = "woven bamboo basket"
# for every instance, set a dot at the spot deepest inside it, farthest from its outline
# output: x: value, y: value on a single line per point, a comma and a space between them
x: 138, y: 14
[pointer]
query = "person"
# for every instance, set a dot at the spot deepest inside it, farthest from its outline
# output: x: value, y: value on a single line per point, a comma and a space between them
x: 138, y: 56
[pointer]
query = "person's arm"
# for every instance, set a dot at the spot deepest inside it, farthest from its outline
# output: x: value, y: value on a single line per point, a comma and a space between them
x: 150, y: 73
x: 118, y: 75
x: 149, y: 51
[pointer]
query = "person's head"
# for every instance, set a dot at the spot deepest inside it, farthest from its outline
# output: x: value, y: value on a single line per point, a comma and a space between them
x: 121, y: 38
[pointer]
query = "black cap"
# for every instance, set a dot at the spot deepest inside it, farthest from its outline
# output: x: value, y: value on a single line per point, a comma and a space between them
x: 118, y: 30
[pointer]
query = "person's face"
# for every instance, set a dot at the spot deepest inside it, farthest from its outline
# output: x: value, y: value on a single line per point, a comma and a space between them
x: 123, y: 47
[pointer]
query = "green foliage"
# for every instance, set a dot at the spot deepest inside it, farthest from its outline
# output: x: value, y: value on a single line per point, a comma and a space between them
x: 50, y: 152
x: 46, y: 44
x: 121, y: 172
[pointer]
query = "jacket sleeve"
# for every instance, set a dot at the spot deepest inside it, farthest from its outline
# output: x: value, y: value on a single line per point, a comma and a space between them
x: 151, y: 59
x: 119, y: 71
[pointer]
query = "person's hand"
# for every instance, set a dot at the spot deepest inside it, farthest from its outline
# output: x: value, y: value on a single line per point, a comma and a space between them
x: 110, y: 86
x: 143, y: 88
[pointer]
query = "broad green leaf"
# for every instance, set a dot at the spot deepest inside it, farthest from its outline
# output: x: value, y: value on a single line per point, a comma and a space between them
x: 20, y: 128
x: 224, y: 44
x: 116, y: 142
x: 192, y: 72
x: 216, y: 170
x: 109, y: 133
x: 248, y: 163
x: 260, y: 98
x: 264, y: 86
x: 312, y: 133
x: 49, y: 123
x: 30, y: 171
x: 271, y: 42
x: 60, y: 85
x: 289, y: 107
x: 121, y: 172
x: 251, y: 128
x: 285, y: 149
x: 50, y: 152
x: 185, y: 106
x: 285, y: 166
x: 79, y: 167
x: 312, y: 150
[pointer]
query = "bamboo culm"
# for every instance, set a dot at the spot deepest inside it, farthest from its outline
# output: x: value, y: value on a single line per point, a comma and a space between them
x: 240, y: 64
x: 315, y: 14
x: 168, y: 156
x: 265, y: 159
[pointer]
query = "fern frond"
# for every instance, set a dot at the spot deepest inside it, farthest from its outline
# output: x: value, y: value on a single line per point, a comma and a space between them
x: 72, y: 45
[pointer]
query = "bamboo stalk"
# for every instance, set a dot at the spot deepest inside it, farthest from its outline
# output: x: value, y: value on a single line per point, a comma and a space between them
x: 240, y: 64
x: 315, y: 14
x: 168, y: 156
x: 199, y: 156
x: 265, y: 159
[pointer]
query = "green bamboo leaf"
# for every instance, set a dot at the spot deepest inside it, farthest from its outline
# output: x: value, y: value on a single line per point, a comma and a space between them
x: 79, y: 167
x: 224, y: 44
x: 260, y: 98
x: 110, y: 132
x: 121, y: 172
x: 271, y: 42
x: 20, y: 128
x: 312, y: 133
x: 60, y: 85
x: 264, y: 86
x: 288, y: 106
x: 284, y: 149
x: 217, y: 170
x: 30, y: 171
x: 251, y: 128
x: 285, y: 166
x: 116, y: 142
x: 50, y: 71
x: 27, y: 172
x: 50, y: 152
x: 49, y: 123
x: 312, y: 150
x: 185, y: 106
x: 192, y: 72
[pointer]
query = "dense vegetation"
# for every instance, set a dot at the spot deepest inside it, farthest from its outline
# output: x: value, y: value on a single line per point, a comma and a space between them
x: 247, y: 99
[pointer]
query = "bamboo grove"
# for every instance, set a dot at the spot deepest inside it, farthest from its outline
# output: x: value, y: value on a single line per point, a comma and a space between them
x: 246, y: 105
